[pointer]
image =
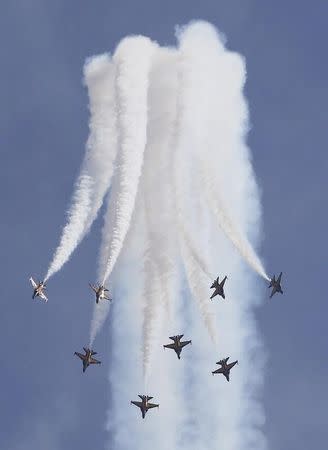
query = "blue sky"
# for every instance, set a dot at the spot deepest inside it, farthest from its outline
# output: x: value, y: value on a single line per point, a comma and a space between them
x: 46, y: 403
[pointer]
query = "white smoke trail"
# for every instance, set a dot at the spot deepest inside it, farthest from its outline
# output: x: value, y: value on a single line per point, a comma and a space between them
x: 169, y: 227
x: 238, y: 240
x: 194, y: 259
x: 160, y: 270
x: 200, y: 292
x: 212, y: 131
x: 228, y: 126
x: 133, y: 59
x: 124, y: 422
x: 97, y: 168
x: 194, y: 262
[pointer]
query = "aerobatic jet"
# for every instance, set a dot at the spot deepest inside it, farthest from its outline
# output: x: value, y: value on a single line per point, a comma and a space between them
x: 225, y: 367
x: 87, y: 359
x: 218, y: 287
x: 144, y: 405
x: 100, y: 292
x: 275, y: 285
x: 177, y: 345
x: 38, y: 289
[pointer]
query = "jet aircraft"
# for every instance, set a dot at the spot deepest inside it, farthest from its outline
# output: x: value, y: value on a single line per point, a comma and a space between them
x: 177, y: 345
x: 275, y: 285
x: 218, y: 287
x: 100, y: 292
x: 225, y: 367
x: 144, y: 405
x: 38, y: 289
x: 87, y: 359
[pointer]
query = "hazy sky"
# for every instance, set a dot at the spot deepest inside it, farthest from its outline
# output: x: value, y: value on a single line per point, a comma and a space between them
x: 46, y: 403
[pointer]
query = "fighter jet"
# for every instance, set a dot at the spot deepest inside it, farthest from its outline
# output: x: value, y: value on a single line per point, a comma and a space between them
x: 178, y: 345
x: 225, y: 367
x: 100, y: 292
x: 38, y: 289
x: 144, y: 405
x: 87, y: 359
x: 275, y: 285
x: 218, y: 287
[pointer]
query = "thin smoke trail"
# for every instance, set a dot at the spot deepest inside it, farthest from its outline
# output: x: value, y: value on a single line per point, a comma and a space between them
x: 97, y: 167
x: 240, y: 243
x: 192, y: 259
x: 200, y: 292
x: 133, y: 61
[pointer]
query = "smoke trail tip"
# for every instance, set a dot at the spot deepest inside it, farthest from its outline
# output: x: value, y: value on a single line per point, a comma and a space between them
x: 134, y: 42
x: 199, y: 28
x: 94, y: 66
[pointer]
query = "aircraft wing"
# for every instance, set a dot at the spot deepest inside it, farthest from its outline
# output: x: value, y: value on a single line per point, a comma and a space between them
x: 107, y: 298
x: 230, y: 366
x: 152, y: 405
x: 94, y: 361
x: 279, y: 278
x: 218, y: 371
x: 43, y: 296
x: 33, y: 283
x: 223, y: 281
x: 172, y: 346
x: 214, y: 293
x: 184, y: 343
x: 139, y: 404
x: 93, y: 288
x: 80, y: 355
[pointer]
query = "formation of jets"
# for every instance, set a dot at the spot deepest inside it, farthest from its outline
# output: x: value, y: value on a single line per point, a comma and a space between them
x: 177, y: 345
